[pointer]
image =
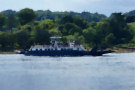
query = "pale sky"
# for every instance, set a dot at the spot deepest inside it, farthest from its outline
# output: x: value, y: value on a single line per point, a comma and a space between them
x: 101, y: 6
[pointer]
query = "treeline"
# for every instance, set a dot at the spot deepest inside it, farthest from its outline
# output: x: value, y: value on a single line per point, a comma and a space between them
x: 21, y: 30
x: 47, y: 14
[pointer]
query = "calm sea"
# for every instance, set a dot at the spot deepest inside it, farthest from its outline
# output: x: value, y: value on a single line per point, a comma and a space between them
x: 109, y: 72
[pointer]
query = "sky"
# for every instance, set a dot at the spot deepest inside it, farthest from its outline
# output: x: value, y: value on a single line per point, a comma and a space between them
x: 101, y: 6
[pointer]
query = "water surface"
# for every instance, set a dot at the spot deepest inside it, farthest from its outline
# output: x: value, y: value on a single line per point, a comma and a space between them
x: 109, y: 72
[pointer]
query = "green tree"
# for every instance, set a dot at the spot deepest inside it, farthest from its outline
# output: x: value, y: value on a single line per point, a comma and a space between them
x: 79, y: 39
x: 41, y: 36
x: 103, y: 28
x: 68, y: 38
x: 81, y: 22
x: 2, y: 21
x: 70, y: 29
x: 47, y: 24
x: 7, y: 41
x: 26, y: 15
x: 27, y: 27
x: 54, y: 32
x: 11, y: 22
x: 110, y: 40
x: 23, y: 38
x: 120, y: 29
x: 91, y: 36
x: 130, y: 18
x: 76, y: 38
x: 67, y: 19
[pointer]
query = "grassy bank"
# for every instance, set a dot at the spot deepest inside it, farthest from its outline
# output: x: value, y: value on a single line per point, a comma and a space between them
x: 7, y: 52
x: 121, y: 50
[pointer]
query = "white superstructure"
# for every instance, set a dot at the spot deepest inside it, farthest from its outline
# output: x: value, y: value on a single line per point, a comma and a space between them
x: 55, y: 45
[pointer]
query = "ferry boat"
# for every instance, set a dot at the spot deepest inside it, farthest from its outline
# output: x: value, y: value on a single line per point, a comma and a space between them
x: 56, y: 49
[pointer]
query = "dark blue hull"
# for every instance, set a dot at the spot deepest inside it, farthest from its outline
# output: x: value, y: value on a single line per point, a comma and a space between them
x: 57, y: 53
x: 65, y: 53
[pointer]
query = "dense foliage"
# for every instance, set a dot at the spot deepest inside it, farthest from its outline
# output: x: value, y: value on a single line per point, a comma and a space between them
x: 44, y: 15
x: 25, y: 28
